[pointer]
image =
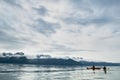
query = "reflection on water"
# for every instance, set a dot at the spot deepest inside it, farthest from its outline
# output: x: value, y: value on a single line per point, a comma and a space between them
x: 33, y: 72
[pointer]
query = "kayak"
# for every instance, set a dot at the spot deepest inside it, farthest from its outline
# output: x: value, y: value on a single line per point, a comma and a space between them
x: 97, y: 68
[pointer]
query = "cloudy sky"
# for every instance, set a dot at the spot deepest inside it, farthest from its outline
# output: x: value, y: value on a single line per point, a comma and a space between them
x: 83, y: 28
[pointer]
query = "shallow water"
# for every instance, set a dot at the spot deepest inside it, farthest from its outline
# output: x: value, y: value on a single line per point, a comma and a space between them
x: 34, y: 72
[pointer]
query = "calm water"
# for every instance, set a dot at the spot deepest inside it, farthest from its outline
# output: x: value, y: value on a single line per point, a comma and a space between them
x: 33, y: 72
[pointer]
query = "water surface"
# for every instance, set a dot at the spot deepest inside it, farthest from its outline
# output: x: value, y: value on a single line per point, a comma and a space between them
x: 35, y: 72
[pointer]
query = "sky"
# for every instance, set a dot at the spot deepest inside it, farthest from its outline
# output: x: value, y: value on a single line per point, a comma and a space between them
x: 79, y: 28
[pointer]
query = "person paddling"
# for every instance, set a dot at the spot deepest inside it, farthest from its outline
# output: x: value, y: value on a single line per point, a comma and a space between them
x: 105, y: 69
x: 93, y: 67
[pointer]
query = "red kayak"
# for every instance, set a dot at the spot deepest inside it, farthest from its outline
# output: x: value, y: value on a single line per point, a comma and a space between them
x: 97, y: 68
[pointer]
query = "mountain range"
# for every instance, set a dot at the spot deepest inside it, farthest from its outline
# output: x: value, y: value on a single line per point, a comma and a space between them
x: 20, y: 58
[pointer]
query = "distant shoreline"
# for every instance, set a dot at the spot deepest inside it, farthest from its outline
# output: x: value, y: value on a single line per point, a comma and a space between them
x: 53, y: 61
x: 20, y: 58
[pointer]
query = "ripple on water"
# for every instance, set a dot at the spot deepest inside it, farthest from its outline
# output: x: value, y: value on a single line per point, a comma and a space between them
x: 99, y: 78
x: 86, y: 79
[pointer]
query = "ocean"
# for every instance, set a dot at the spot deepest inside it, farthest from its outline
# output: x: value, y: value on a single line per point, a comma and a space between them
x: 42, y: 72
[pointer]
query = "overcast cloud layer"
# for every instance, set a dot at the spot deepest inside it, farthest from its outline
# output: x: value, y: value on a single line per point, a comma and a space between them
x: 83, y: 28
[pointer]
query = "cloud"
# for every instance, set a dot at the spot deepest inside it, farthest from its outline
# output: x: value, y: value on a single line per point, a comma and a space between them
x: 87, y: 21
x: 45, y: 27
x: 64, y: 48
x: 13, y: 3
x: 92, y: 12
x: 106, y: 3
x: 66, y: 27
x: 41, y: 10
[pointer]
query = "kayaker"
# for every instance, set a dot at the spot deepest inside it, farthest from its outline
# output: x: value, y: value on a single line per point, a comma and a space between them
x: 93, y: 67
x: 105, y: 69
